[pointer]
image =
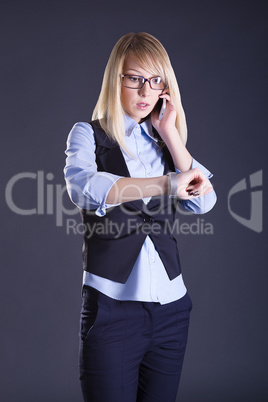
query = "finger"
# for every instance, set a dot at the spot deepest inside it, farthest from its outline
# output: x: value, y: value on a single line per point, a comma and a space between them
x: 193, y: 193
x: 199, y: 189
x: 190, y: 188
x: 165, y: 95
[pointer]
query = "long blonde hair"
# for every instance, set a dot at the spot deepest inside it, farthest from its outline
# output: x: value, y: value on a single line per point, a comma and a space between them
x: 150, y: 54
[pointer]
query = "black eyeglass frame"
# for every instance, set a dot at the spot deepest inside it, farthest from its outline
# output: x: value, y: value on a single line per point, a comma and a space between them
x: 144, y: 80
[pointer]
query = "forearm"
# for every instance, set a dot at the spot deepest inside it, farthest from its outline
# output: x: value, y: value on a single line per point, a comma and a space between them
x: 131, y: 189
x: 189, y: 185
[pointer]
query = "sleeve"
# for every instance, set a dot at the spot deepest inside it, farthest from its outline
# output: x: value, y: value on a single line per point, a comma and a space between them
x: 200, y: 205
x: 87, y: 188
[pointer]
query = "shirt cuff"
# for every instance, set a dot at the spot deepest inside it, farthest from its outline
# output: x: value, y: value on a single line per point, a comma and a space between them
x: 98, y: 188
x: 198, y: 165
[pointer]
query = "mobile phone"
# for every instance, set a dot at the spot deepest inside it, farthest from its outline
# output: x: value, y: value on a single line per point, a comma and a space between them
x: 163, y: 108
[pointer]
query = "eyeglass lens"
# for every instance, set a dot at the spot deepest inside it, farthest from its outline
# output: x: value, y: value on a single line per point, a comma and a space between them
x: 137, y: 82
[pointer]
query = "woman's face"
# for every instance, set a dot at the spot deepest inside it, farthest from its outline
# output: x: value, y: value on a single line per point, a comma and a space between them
x: 138, y: 103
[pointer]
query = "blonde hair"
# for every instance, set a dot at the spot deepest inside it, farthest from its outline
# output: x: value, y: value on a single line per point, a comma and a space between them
x: 150, y: 54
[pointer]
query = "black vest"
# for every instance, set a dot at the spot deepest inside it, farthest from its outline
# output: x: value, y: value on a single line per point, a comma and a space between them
x: 113, y: 242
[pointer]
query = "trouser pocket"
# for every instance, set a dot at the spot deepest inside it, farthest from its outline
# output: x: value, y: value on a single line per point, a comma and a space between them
x: 89, y: 311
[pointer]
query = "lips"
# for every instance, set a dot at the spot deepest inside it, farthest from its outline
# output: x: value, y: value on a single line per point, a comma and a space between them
x: 143, y: 105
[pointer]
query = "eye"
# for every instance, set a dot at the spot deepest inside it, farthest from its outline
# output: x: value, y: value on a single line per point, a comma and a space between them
x: 133, y: 78
x: 156, y: 80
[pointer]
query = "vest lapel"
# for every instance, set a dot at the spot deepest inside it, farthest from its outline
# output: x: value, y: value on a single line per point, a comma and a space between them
x: 112, y: 161
x: 169, y: 165
x: 109, y: 157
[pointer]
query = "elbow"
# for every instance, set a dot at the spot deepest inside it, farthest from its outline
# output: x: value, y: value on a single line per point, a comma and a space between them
x: 73, y: 187
x: 75, y: 193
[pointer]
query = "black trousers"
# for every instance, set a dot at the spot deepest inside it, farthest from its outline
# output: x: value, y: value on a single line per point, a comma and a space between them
x: 131, y: 351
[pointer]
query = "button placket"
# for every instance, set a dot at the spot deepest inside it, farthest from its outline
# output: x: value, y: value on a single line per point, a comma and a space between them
x: 140, y: 150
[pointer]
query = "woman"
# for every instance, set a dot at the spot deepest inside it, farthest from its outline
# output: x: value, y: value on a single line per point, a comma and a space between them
x: 127, y: 170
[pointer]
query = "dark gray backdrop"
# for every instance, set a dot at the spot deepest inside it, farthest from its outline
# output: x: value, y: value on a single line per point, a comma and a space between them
x: 53, y: 56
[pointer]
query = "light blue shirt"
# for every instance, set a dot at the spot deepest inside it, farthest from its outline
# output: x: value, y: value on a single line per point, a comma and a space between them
x: 89, y: 188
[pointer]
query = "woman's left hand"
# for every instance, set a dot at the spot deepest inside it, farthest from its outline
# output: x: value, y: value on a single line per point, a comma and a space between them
x: 167, y: 124
x: 170, y: 135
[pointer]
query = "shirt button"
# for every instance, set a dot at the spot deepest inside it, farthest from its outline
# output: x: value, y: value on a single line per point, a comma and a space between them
x: 148, y: 219
x: 149, y: 172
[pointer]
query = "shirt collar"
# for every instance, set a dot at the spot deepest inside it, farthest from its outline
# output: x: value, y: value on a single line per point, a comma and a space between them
x: 147, y: 127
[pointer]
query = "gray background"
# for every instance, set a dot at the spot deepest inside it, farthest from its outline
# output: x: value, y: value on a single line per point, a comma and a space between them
x: 53, y: 56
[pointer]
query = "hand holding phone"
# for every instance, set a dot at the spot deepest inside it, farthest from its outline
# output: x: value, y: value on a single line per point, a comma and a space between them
x: 163, y: 108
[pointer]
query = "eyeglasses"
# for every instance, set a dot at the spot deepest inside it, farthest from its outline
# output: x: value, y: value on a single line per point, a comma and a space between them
x: 137, y: 82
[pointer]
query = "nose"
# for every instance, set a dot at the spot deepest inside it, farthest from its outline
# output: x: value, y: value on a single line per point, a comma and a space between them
x: 145, y: 90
